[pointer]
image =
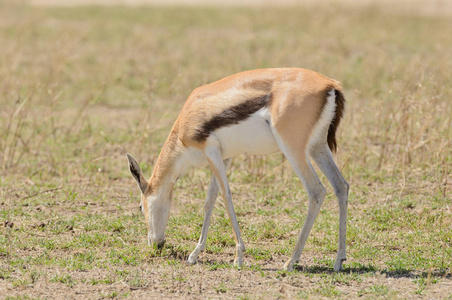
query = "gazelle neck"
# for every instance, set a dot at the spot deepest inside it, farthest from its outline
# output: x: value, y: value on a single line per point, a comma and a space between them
x: 166, y: 169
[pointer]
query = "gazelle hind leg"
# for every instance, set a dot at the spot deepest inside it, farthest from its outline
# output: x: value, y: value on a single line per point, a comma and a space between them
x: 213, y: 155
x: 323, y: 158
x: 212, y: 194
x: 316, y: 193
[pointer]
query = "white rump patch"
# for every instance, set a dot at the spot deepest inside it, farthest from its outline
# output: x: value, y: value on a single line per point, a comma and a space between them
x: 320, y: 130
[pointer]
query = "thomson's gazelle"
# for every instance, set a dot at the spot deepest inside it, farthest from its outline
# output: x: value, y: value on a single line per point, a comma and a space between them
x: 293, y: 110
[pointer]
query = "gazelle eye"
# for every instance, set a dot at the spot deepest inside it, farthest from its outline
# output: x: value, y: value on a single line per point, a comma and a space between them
x: 141, y: 208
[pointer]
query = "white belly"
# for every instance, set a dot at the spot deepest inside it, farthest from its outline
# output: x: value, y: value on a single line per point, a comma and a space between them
x: 251, y: 136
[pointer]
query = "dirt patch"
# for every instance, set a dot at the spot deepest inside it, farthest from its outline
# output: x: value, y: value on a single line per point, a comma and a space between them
x: 203, y: 281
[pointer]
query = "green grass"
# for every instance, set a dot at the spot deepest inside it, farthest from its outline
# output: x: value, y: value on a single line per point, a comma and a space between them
x: 82, y: 86
x: 66, y: 279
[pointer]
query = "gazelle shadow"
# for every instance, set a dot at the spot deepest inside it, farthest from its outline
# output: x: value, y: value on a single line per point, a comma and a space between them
x: 178, y: 253
x: 399, y: 273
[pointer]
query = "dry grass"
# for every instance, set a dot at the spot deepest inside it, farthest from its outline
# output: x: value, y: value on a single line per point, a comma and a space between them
x: 81, y: 86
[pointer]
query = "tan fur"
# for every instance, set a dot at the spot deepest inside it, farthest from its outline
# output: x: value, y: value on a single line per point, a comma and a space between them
x: 295, y: 105
x: 304, y: 111
x: 282, y: 108
x: 211, y: 99
x: 145, y: 210
x: 165, y: 163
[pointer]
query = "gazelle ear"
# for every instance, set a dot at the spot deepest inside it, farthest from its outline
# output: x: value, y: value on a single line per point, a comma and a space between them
x: 136, y: 173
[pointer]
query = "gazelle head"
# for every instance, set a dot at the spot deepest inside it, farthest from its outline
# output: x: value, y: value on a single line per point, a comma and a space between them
x: 155, y: 204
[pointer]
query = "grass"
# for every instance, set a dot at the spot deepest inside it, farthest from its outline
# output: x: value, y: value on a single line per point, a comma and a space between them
x: 66, y: 279
x: 82, y: 86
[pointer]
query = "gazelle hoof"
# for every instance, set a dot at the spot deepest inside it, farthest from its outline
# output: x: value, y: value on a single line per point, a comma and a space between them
x: 338, y: 265
x: 191, y: 260
x: 288, y: 266
x: 238, y: 262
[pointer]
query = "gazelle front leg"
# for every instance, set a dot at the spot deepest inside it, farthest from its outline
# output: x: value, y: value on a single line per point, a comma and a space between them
x: 213, y: 155
x: 212, y: 194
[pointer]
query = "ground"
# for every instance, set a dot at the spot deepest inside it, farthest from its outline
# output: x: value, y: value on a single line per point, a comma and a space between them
x: 82, y: 86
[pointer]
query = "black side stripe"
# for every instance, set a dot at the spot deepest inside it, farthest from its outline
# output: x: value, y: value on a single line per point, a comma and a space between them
x: 232, y: 116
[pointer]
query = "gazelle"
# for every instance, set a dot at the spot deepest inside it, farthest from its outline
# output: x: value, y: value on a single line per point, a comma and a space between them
x: 296, y: 111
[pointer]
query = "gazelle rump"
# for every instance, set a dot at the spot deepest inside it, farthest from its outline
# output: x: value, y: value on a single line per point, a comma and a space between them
x: 295, y: 111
